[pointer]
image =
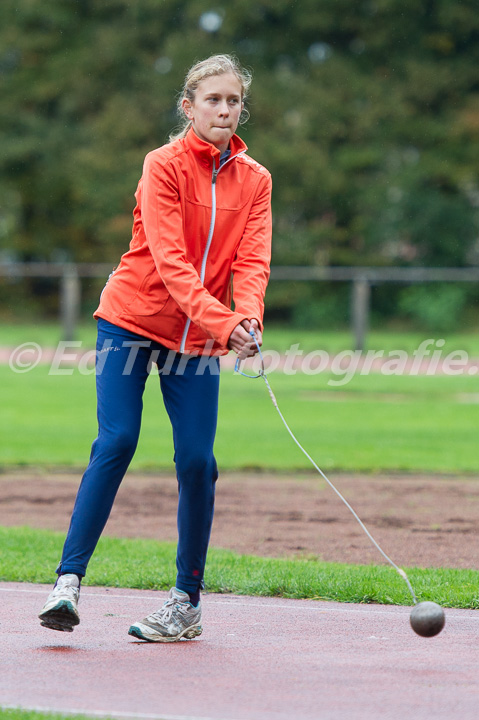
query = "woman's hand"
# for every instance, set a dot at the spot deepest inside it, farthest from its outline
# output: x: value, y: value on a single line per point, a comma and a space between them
x: 241, y: 341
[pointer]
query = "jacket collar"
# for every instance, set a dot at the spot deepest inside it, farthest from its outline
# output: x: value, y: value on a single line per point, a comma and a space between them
x: 208, y: 152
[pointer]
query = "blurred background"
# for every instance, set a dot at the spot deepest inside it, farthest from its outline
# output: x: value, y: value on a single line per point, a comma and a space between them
x: 366, y: 113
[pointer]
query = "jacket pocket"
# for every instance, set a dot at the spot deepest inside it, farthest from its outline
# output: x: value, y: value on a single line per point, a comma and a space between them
x: 150, y: 298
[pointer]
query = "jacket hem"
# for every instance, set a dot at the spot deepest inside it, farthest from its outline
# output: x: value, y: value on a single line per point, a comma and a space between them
x: 168, y: 343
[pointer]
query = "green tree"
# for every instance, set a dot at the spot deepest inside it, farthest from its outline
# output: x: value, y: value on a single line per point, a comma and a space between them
x: 367, y: 115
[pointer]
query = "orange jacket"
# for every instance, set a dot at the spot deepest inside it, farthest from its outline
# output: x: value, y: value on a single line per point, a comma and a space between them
x: 195, y: 228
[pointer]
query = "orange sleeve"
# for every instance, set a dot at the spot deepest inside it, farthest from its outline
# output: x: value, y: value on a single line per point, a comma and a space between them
x: 251, y: 266
x: 163, y: 224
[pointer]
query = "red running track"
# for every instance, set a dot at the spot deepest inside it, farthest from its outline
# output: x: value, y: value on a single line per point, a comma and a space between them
x: 258, y: 658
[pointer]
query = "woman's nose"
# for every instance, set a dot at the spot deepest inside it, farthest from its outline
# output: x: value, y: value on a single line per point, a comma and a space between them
x: 223, y: 108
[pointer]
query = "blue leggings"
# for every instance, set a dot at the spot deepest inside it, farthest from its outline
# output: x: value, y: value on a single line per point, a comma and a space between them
x: 190, y: 388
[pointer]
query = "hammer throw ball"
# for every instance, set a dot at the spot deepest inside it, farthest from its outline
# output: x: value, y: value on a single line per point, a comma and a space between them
x: 427, y: 619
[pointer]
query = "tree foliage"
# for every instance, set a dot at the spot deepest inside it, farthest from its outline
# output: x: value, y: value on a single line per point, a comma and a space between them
x: 366, y: 113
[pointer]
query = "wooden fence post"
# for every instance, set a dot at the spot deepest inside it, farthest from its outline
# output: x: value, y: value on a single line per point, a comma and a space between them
x: 360, y: 311
x: 69, y: 301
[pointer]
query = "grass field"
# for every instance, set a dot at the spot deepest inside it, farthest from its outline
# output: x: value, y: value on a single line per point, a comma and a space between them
x: 375, y: 422
x: 275, y: 338
x: 19, y: 714
x: 29, y: 556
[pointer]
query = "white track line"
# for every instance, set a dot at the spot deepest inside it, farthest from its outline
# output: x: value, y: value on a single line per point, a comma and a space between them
x: 386, y: 610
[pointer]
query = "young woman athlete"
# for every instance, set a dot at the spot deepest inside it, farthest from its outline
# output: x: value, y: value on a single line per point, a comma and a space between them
x: 201, y: 238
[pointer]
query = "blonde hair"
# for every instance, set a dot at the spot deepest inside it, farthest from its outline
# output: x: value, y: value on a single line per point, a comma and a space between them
x: 214, y: 65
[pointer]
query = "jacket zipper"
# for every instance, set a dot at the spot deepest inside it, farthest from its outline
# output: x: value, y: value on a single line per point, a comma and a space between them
x: 208, y: 241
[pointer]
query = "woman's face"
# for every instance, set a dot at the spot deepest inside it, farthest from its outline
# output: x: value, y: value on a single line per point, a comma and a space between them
x: 216, y: 109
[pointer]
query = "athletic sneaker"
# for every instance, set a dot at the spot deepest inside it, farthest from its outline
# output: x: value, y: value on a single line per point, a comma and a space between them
x: 60, y: 610
x: 176, y: 619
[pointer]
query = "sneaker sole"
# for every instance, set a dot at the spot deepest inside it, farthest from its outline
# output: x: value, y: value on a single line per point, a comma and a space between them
x: 189, y: 633
x: 62, y: 617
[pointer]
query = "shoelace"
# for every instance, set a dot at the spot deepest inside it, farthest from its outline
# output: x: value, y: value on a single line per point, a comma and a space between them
x: 67, y: 589
x: 165, y: 612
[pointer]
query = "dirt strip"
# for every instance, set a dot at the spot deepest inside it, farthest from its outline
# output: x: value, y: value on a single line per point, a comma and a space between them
x: 426, y: 521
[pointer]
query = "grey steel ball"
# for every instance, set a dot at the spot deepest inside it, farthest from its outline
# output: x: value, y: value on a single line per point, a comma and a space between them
x: 427, y: 619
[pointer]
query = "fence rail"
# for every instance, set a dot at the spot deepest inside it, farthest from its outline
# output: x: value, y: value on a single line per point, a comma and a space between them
x: 375, y: 275
x: 361, y: 278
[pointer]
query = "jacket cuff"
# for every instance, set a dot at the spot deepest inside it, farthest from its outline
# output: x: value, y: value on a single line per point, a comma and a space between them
x: 237, y: 319
x: 252, y: 313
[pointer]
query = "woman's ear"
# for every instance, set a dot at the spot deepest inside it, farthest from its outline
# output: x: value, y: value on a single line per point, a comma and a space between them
x: 187, y: 109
